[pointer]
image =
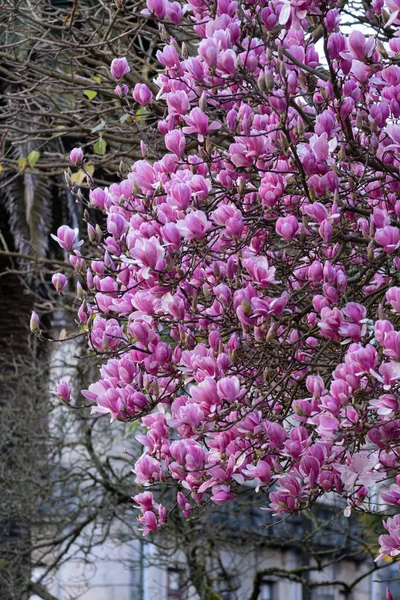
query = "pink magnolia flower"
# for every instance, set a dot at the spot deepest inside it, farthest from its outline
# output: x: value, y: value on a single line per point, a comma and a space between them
x: 287, y: 227
x: 156, y: 7
x: 287, y: 497
x: 359, y: 471
x: 175, y: 141
x: 121, y: 90
x: 259, y: 269
x: 119, y: 67
x: 142, y: 94
x: 34, y: 323
x: 386, y: 405
x: 145, y: 501
x: 149, y: 520
x: 59, y: 281
x: 147, y: 470
x: 390, y: 542
x: 393, y: 297
x: 361, y: 48
x: 64, y: 391
x: 229, y: 388
x: 67, y: 237
x: 194, y: 226
x: 392, y: 496
x: 389, y: 238
x: 221, y: 494
x: 148, y: 253
x: 76, y: 156
x: 197, y: 122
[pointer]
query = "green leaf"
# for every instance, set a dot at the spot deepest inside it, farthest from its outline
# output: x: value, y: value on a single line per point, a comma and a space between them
x: 33, y: 157
x: 90, y: 94
x: 124, y: 118
x: 22, y: 162
x: 141, y: 113
x: 100, y: 146
x: 98, y: 127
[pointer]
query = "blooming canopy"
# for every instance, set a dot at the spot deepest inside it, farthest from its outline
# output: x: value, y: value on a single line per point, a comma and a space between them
x: 246, y: 294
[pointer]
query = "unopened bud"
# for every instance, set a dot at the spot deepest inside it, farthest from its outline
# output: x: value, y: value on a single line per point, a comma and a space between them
x: 194, y: 303
x: 246, y: 306
x: 372, y: 229
x: 241, y: 185
x: 155, y: 388
x: 381, y: 49
x: 370, y: 251
x: 202, y: 102
x: 34, y: 323
x: 80, y: 292
x: 91, y: 233
x: 271, y: 333
x: 206, y: 290
x: 261, y: 82
x: 163, y: 32
x: 98, y: 232
x: 269, y: 81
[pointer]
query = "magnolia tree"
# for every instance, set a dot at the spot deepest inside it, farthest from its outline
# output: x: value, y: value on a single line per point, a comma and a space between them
x: 243, y: 289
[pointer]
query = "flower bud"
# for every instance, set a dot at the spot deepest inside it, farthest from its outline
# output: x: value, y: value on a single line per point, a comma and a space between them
x: 76, y: 156
x: 59, y: 281
x: 34, y: 323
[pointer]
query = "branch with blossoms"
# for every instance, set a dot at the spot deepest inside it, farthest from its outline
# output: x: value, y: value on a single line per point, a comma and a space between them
x: 245, y: 292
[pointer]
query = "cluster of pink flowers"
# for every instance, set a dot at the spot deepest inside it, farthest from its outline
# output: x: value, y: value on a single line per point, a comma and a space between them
x: 247, y: 290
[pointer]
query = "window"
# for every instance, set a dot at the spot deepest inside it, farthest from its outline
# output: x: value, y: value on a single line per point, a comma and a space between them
x: 174, y: 584
x: 266, y: 590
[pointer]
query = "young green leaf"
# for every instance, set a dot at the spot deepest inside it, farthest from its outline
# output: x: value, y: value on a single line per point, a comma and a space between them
x: 100, y: 146
x: 33, y: 157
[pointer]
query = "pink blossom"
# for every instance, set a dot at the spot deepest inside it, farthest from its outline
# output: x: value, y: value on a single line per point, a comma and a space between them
x: 119, y: 67
x: 142, y: 94
x: 393, y: 297
x: 157, y: 7
x: 287, y: 227
x: 76, y: 156
x: 175, y: 141
x: 221, y: 494
x: 390, y: 542
x: 67, y: 237
x: 389, y: 238
x: 59, y: 281
x: 359, y: 471
x: 198, y: 124
x: 194, y: 226
x: 147, y: 470
x: 64, y: 391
